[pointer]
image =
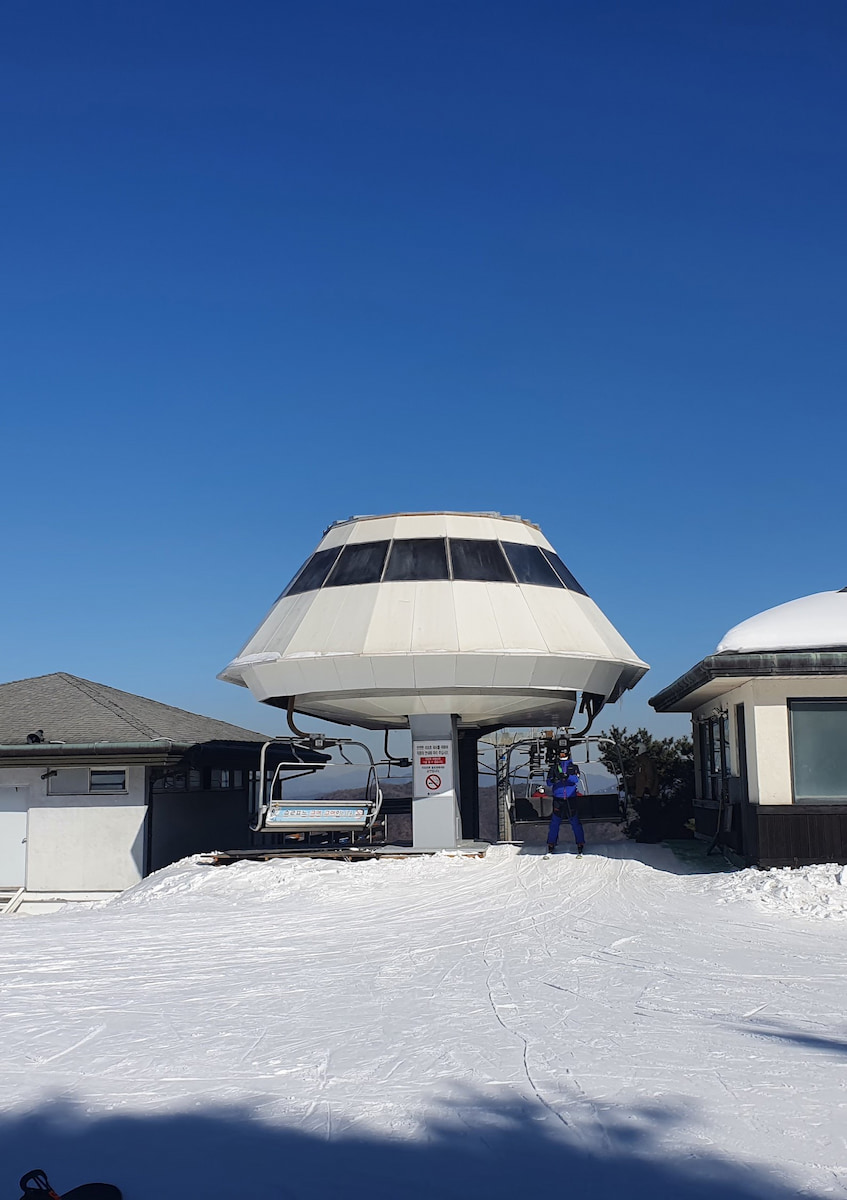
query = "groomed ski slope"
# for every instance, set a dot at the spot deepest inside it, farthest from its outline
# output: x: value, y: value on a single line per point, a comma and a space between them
x: 433, y: 1027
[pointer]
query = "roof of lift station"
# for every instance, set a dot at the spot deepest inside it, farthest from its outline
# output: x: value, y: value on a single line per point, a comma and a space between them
x: 803, y: 637
x: 413, y: 613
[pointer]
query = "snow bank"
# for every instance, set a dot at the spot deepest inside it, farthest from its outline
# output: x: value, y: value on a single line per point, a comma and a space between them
x: 268, y: 882
x: 818, y: 892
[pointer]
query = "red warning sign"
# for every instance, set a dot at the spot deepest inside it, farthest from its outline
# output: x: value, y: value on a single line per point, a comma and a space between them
x: 433, y: 782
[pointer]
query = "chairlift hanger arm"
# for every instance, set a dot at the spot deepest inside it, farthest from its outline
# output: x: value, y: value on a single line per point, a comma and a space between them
x: 392, y: 759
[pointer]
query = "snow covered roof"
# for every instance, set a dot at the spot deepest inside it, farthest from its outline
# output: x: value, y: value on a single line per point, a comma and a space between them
x: 802, y: 637
x: 813, y: 622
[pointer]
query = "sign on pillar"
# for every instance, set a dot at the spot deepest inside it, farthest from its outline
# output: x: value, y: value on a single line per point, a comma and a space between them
x: 435, y: 811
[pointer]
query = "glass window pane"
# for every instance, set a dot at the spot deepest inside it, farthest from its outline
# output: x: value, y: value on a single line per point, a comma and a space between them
x: 819, y: 749
x: 563, y: 573
x: 474, y: 558
x: 530, y: 565
x: 359, y: 563
x: 417, y: 558
x: 108, y: 781
x: 312, y: 574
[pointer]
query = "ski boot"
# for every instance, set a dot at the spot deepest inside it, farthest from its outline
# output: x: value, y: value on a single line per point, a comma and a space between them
x: 35, y: 1186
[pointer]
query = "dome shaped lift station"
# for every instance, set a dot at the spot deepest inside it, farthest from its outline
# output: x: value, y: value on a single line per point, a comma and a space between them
x: 452, y: 625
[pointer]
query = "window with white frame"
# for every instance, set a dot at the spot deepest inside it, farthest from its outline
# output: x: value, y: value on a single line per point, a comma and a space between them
x: 86, y: 781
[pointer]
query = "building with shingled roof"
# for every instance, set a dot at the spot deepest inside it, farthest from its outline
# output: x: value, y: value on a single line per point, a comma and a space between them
x: 99, y: 787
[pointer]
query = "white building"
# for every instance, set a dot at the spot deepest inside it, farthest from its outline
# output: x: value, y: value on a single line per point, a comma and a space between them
x: 98, y: 787
x: 769, y: 714
x: 449, y: 624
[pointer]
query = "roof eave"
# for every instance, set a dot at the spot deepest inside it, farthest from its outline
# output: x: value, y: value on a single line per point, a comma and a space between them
x: 161, y: 752
x: 723, y: 672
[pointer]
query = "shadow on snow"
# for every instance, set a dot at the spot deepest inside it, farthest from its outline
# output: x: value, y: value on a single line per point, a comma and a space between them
x: 479, y: 1147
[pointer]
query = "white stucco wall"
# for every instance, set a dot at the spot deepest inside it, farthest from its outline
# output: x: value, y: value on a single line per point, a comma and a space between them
x: 81, y: 843
x: 767, y: 728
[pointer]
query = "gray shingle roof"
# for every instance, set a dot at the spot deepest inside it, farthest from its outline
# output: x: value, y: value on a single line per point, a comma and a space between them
x: 74, y: 710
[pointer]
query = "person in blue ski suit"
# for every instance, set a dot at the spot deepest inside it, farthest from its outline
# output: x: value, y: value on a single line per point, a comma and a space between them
x: 563, y: 778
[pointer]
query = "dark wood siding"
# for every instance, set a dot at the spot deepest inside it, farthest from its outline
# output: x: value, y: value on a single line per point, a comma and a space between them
x: 796, y: 837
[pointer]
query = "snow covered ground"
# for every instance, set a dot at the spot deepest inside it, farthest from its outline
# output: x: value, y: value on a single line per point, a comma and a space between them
x: 434, y: 1027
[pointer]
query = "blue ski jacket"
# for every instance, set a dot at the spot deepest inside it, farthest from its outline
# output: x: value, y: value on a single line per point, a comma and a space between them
x: 563, y: 778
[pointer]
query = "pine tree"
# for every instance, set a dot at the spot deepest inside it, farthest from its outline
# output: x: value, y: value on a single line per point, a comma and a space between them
x: 666, y: 815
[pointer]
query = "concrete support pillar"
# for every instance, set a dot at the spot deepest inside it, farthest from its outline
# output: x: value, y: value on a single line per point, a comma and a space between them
x: 436, y: 824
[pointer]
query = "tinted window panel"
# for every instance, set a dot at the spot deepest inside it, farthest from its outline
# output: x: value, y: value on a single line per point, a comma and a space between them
x: 360, y: 563
x: 312, y: 575
x: 530, y: 565
x: 417, y: 558
x: 818, y: 736
x: 477, y: 559
x: 563, y: 573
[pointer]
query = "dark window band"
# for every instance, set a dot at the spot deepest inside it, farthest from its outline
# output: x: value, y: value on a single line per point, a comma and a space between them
x: 530, y: 565
x: 313, y: 572
x: 563, y: 573
x: 421, y: 559
x: 417, y: 558
x: 360, y: 563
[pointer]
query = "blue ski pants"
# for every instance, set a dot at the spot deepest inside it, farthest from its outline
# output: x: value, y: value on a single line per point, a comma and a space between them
x: 556, y: 821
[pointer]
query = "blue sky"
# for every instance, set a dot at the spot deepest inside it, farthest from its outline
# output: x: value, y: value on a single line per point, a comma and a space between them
x: 267, y: 265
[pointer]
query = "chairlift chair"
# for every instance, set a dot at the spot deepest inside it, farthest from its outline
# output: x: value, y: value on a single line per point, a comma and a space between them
x: 276, y: 813
x: 527, y: 777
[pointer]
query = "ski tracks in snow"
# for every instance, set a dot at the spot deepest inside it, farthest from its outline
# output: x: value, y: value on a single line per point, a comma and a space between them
x: 612, y: 994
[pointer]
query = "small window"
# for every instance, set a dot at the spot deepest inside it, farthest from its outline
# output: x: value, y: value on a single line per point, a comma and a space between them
x: 417, y: 558
x: 81, y: 781
x: 108, y: 781
x: 474, y: 558
x: 563, y: 573
x: 221, y: 779
x: 238, y: 779
x: 360, y: 563
x: 313, y: 573
x: 530, y: 565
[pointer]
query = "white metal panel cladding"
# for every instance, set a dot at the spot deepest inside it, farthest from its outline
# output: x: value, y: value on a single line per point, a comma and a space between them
x: 566, y: 626
x: 391, y: 627
x: 434, y: 630
x: 492, y: 652
x: 518, y: 628
x: 333, y: 628
x: 375, y: 530
x: 476, y: 621
x: 617, y: 646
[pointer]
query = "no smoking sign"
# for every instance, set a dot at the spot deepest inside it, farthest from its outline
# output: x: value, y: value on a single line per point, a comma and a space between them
x: 433, y: 767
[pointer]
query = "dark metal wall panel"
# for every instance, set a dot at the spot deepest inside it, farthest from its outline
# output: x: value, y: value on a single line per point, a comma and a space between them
x: 183, y: 823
